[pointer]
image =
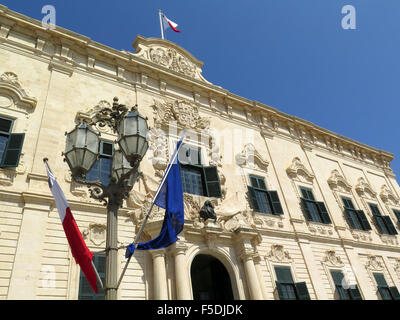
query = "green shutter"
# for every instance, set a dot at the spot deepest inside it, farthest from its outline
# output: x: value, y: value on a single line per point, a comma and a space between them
x: 279, y: 289
x: 363, y: 220
x: 275, y: 203
x: 12, y: 153
x: 385, y: 293
x: 324, y: 213
x: 380, y: 224
x: 253, y: 199
x: 306, y: 211
x: 302, y: 291
x: 212, y: 182
x: 350, y: 218
x: 355, y: 293
x: 389, y: 224
x: 395, y: 293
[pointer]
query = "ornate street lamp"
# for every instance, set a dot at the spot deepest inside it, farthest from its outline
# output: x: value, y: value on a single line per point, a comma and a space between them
x: 82, y: 151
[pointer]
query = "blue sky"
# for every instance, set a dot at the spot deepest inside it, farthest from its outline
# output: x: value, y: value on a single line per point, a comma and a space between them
x: 290, y: 54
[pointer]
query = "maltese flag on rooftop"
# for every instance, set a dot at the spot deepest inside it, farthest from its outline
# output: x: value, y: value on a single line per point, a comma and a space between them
x: 166, y: 23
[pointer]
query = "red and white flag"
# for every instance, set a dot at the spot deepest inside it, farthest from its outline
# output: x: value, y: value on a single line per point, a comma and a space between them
x: 168, y: 23
x: 83, y: 256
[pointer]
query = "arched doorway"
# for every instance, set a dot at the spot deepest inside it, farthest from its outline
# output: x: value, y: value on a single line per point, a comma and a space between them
x: 210, y: 279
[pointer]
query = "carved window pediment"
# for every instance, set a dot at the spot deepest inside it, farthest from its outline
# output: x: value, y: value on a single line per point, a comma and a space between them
x: 185, y: 113
x: 338, y: 183
x: 250, y: 157
x: 12, y: 94
x: 297, y: 171
x: 332, y: 259
x: 374, y: 263
x: 388, y: 197
x: 278, y: 254
x: 364, y: 189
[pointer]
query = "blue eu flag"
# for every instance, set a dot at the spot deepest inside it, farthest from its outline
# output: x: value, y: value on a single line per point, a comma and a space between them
x: 169, y: 198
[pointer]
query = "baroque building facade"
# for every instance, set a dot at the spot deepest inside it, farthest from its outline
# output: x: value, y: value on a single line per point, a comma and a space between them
x: 299, y: 208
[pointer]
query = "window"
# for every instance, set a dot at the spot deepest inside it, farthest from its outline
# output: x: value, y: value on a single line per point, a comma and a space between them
x: 287, y: 289
x: 10, y: 144
x: 342, y: 290
x: 196, y: 178
x: 101, y: 170
x: 315, y: 211
x: 386, y: 292
x: 261, y: 199
x: 85, y: 290
x: 383, y: 223
x: 356, y: 218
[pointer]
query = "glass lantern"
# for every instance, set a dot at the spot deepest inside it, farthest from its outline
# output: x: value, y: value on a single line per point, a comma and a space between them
x: 132, y: 140
x: 120, y: 166
x: 82, y: 149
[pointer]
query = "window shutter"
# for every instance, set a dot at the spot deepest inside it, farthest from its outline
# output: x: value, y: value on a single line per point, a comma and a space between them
x: 350, y: 218
x: 395, y: 293
x: 279, y: 289
x: 363, y: 219
x: 253, y: 199
x: 302, y: 291
x: 307, y: 212
x: 380, y: 225
x: 355, y: 293
x: 12, y: 153
x: 212, y: 182
x: 384, y: 292
x: 275, y: 203
x: 389, y: 225
x: 324, y: 213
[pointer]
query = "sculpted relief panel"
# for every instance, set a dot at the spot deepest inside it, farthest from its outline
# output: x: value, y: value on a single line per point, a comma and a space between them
x: 168, y: 55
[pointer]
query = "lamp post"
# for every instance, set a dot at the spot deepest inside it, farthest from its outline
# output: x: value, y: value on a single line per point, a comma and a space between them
x: 81, y: 153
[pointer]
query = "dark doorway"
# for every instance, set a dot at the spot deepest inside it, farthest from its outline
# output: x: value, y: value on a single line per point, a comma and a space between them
x: 210, y: 279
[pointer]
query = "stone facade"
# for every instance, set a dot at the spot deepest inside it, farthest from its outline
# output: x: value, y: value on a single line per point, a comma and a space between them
x: 51, y: 78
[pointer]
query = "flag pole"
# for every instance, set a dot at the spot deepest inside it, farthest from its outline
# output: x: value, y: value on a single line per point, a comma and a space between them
x: 46, y: 162
x: 149, y: 211
x: 161, y: 24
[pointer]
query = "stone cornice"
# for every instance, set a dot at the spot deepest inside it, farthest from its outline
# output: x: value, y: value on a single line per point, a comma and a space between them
x: 265, y: 118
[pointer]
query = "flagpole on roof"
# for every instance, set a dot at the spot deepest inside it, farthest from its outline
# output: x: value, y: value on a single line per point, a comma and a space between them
x: 151, y: 207
x: 161, y: 24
